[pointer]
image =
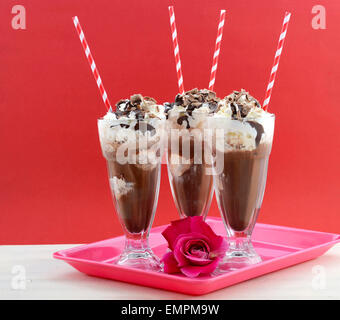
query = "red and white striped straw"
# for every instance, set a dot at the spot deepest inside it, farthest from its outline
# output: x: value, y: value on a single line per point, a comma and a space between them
x: 217, y: 50
x: 276, y: 60
x: 91, y: 63
x: 176, y: 50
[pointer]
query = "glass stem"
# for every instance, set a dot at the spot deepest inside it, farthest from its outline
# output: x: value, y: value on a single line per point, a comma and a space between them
x: 136, y: 242
x: 239, y: 242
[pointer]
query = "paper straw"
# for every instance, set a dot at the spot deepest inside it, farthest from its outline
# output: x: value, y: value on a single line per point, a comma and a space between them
x: 217, y: 50
x: 176, y: 50
x: 276, y: 61
x: 91, y: 63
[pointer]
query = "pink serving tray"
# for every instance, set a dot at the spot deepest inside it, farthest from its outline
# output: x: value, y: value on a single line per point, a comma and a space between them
x: 279, y: 247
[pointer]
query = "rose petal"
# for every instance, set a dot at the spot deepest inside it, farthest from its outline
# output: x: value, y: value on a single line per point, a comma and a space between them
x: 221, y: 250
x: 199, y: 226
x: 196, y: 256
x: 170, y: 236
x: 182, y: 226
x: 191, y: 271
x: 178, y: 251
x: 197, y: 243
x: 179, y: 246
x: 194, y: 271
x: 197, y: 261
x: 191, y: 236
x: 170, y: 263
x: 177, y: 228
x: 198, y: 253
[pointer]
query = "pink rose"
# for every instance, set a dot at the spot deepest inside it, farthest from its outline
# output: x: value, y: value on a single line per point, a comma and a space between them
x: 195, y: 248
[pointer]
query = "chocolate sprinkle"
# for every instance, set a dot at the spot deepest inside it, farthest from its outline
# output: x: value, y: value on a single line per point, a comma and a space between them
x: 167, y: 107
x: 191, y: 100
x: 183, y: 118
x: 241, y: 102
x: 143, y: 127
x: 137, y: 104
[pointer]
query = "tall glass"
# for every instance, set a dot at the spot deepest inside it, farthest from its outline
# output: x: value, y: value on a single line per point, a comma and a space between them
x: 189, y: 172
x: 134, y: 168
x: 241, y: 149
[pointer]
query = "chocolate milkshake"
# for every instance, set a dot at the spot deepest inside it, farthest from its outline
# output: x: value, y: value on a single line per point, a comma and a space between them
x: 132, y: 142
x: 190, y: 181
x: 243, y: 139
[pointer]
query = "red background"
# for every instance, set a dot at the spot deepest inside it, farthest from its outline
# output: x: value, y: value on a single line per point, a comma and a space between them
x: 53, y: 180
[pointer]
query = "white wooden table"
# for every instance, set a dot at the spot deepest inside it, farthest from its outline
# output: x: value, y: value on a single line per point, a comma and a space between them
x: 30, y: 272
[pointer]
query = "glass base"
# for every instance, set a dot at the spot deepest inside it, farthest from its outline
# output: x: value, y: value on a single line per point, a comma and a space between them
x: 238, y: 257
x: 140, y: 259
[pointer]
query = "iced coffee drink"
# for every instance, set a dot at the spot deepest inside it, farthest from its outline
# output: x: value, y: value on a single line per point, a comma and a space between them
x: 132, y: 142
x: 188, y: 166
x: 243, y: 134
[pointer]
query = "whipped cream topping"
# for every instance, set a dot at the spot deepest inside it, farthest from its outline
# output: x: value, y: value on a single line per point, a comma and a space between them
x: 240, y: 105
x: 137, y: 122
x: 244, y: 122
x: 191, y: 108
x: 137, y: 107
